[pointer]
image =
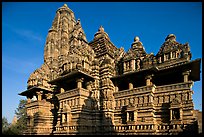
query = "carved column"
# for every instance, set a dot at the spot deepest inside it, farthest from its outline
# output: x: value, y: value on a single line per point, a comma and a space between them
x: 170, y: 114
x: 124, y: 66
x: 61, y: 90
x: 79, y: 83
x: 160, y: 60
x: 130, y: 85
x: 135, y: 115
x: 148, y: 80
x: 170, y: 55
x: 116, y: 88
x: 190, y: 95
x: 181, y: 113
x: 63, y: 118
x: 164, y: 57
x: 145, y: 99
x: 150, y: 98
x: 133, y: 64
x: 60, y: 104
x: 127, y: 116
x: 39, y: 95
x: 185, y: 75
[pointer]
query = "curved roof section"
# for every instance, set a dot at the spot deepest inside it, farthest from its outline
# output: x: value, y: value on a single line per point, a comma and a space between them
x: 136, y: 50
x: 169, y: 44
x: 39, y: 77
x: 101, y: 33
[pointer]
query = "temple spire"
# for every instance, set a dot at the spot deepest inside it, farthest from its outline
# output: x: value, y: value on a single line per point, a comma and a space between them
x: 137, y: 45
x: 101, y: 33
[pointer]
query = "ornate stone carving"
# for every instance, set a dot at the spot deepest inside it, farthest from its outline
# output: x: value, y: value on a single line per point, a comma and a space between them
x: 97, y: 83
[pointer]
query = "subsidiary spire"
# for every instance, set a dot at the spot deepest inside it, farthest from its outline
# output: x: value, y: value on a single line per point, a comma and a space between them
x: 101, y: 33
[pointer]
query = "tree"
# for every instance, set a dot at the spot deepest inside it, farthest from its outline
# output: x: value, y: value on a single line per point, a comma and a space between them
x: 20, y: 112
x: 5, y: 125
x: 20, y: 126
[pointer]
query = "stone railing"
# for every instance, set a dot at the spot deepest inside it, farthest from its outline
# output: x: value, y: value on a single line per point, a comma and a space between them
x: 74, y: 129
x: 73, y: 92
x: 134, y: 91
x: 169, y: 129
x: 136, y: 128
x: 125, y: 129
x: 177, y: 86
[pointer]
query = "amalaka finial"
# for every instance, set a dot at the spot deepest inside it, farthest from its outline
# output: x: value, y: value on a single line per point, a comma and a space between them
x: 101, y: 29
x: 136, y: 39
x: 171, y: 37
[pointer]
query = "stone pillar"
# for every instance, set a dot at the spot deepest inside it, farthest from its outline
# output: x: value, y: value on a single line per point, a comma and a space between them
x: 164, y: 57
x: 39, y: 95
x: 130, y: 85
x: 124, y: 66
x: 116, y: 88
x: 170, y: 55
x: 78, y: 101
x: 148, y: 80
x: 79, y: 83
x: 60, y: 104
x: 181, y: 113
x: 145, y: 99
x: 190, y: 95
x: 160, y: 60
x: 135, y: 116
x: 185, y: 75
x: 170, y: 114
x: 133, y: 64
x: 61, y: 90
x: 63, y: 118
x: 68, y: 117
x: 150, y: 98
x: 127, y: 116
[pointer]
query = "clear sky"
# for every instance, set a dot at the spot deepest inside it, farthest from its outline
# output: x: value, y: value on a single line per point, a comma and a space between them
x: 25, y: 26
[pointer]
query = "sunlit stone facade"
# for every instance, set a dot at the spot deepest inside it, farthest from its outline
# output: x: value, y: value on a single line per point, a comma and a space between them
x: 96, y: 88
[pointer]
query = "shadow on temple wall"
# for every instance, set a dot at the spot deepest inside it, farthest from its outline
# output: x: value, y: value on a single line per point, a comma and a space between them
x: 190, y: 129
x: 93, y: 121
x: 165, y: 112
x: 123, y: 115
x: 54, y: 113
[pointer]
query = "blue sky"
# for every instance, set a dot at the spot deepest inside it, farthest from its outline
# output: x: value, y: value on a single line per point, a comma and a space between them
x: 25, y: 26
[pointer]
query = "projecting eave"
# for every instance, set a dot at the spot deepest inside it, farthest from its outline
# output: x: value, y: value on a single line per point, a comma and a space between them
x: 136, y: 73
x: 193, y: 66
x: 33, y: 89
x: 72, y: 76
x: 195, y: 69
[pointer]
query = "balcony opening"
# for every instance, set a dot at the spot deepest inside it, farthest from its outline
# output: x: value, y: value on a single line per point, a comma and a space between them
x: 175, y: 114
x: 131, y: 116
x: 69, y: 86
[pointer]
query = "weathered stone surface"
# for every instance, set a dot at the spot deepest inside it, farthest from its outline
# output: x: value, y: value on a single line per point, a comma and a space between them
x: 97, y: 88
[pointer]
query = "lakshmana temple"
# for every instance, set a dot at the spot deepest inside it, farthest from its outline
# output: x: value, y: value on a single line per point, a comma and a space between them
x: 96, y: 88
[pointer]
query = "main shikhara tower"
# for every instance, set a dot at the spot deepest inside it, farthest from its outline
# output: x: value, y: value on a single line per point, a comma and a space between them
x: 96, y: 88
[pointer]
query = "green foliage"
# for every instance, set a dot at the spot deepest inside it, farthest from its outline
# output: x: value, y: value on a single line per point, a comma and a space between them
x: 5, y: 125
x: 19, y: 127
x: 21, y: 116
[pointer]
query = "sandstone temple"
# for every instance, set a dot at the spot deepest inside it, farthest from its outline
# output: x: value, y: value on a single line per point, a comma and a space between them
x: 96, y: 88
